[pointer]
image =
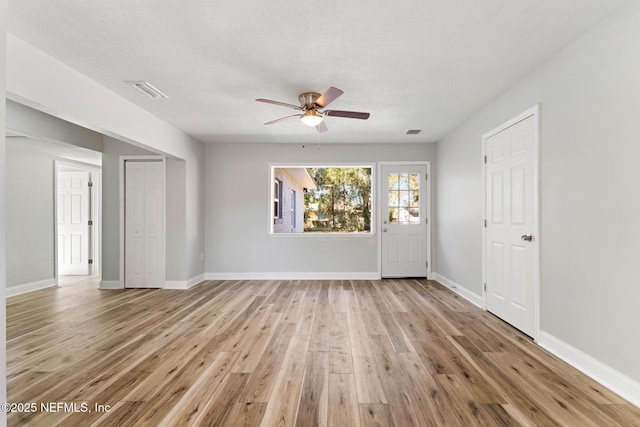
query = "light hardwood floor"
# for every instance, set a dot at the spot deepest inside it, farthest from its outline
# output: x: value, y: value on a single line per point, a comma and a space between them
x: 304, y: 353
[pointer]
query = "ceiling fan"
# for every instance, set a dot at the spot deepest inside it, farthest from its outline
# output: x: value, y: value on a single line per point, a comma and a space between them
x: 312, y: 105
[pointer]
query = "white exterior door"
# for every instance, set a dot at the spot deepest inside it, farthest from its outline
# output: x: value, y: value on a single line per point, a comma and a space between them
x: 144, y: 224
x: 404, y: 220
x: 73, y: 222
x: 511, y: 222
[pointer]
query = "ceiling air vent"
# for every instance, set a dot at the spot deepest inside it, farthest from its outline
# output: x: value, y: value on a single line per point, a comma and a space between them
x: 414, y: 131
x: 148, y: 89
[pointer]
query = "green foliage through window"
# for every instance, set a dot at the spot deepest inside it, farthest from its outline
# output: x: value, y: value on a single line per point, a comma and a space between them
x: 341, y: 202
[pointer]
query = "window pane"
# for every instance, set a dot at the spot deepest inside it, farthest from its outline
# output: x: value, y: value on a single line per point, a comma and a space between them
x: 414, y: 181
x: 404, y: 181
x: 393, y: 181
x: 403, y: 216
x: 393, y: 198
x: 415, y: 198
x: 404, y: 199
x: 393, y: 215
x: 336, y: 200
x: 415, y: 215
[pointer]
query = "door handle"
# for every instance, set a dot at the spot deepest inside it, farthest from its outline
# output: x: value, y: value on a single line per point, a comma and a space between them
x: 527, y: 237
x: 384, y: 230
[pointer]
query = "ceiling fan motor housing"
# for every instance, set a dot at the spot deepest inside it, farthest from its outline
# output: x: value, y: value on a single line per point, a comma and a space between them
x: 308, y: 99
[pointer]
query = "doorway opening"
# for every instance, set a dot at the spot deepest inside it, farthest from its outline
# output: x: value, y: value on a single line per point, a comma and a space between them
x: 77, y: 213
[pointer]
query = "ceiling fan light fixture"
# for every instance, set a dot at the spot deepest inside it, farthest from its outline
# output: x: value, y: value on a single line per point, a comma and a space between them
x: 311, y: 118
x: 313, y: 105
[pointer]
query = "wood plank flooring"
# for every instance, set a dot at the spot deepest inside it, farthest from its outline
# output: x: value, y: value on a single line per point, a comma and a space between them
x: 287, y: 353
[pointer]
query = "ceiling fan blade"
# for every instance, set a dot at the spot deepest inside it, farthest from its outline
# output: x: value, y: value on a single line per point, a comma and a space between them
x: 347, y: 114
x: 282, y: 119
x: 322, y: 127
x: 329, y: 96
x: 283, y: 104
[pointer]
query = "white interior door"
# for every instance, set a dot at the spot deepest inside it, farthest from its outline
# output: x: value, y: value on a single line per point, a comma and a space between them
x: 144, y: 224
x: 73, y: 222
x: 510, y: 239
x: 404, y: 220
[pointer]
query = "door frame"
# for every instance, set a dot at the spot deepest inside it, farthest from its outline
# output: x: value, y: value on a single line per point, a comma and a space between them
x: 96, y: 210
x: 142, y: 158
x: 381, y: 214
x: 535, y: 113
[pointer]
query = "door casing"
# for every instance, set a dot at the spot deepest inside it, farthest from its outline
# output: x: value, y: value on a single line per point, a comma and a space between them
x: 96, y: 209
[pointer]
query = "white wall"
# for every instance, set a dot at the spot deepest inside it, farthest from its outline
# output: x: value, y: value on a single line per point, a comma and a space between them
x: 590, y: 209
x: 237, y: 193
x: 3, y: 321
x: 30, y: 163
x: 176, y: 220
x: 195, y: 218
x: 30, y: 213
x: 40, y: 81
x: 36, y: 124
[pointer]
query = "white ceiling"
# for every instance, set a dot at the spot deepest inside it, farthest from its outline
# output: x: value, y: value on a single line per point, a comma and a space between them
x: 413, y: 64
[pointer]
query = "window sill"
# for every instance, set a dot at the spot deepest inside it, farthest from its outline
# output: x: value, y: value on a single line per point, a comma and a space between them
x: 322, y: 235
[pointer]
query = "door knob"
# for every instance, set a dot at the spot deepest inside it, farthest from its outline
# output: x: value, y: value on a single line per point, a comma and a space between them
x: 527, y: 237
x: 384, y: 230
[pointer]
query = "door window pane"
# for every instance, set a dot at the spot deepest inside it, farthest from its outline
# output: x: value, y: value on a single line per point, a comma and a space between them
x: 394, y: 180
x: 415, y: 198
x: 404, y: 181
x: 393, y: 198
x: 404, y: 198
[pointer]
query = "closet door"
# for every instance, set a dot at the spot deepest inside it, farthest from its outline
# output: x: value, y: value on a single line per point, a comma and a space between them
x: 144, y: 224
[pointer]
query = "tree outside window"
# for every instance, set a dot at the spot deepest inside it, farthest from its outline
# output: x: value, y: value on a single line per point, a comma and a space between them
x: 342, y: 201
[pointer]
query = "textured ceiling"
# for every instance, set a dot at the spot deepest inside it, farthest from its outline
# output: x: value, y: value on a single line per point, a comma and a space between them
x: 413, y: 64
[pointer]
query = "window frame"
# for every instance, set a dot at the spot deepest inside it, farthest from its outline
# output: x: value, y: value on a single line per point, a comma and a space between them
x: 294, y: 209
x: 332, y: 235
x: 276, y: 212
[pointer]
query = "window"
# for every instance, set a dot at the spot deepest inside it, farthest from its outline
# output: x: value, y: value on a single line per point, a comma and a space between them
x: 294, y: 211
x: 336, y: 199
x: 277, y: 196
x: 404, y: 198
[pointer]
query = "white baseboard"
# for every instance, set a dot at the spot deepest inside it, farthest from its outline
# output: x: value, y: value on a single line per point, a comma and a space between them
x: 169, y: 284
x: 615, y: 381
x: 111, y: 284
x: 24, y: 288
x: 184, y: 284
x: 465, y: 293
x: 293, y: 276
